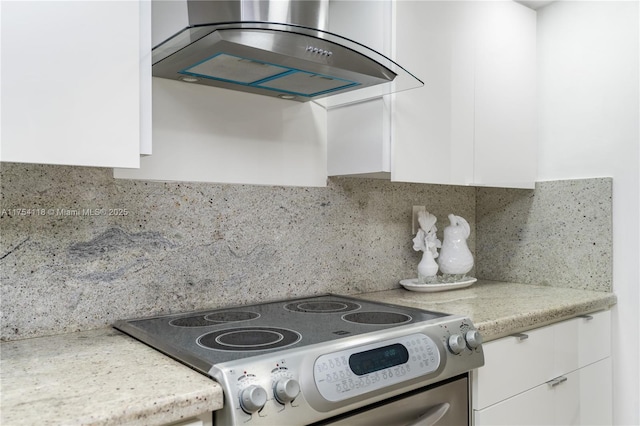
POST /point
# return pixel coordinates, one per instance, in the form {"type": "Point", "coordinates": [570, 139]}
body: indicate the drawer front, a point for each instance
{"type": "Point", "coordinates": [532, 408]}
{"type": "Point", "coordinates": [596, 393]}
{"type": "Point", "coordinates": [513, 365]}
{"type": "Point", "coordinates": [582, 397]}
{"type": "Point", "coordinates": [581, 341]}
{"type": "Point", "coordinates": [594, 338]}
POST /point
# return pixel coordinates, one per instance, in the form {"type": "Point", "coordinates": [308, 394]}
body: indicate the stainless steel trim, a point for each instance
{"type": "Point", "coordinates": [432, 416]}
{"type": "Point", "coordinates": [520, 336]}
{"type": "Point", "coordinates": [309, 13]}
{"type": "Point", "coordinates": [161, 345]}
{"type": "Point", "coordinates": [312, 404]}
{"type": "Point", "coordinates": [557, 381]}
{"type": "Point", "coordinates": [290, 34]}
{"type": "Point", "coordinates": [446, 404]}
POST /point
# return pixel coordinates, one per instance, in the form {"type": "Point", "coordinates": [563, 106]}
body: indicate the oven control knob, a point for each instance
{"type": "Point", "coordinates": [473, 338]}
{"type": "Point", "coordinates": [286, 390]}
{"type": "Point", "coordinates": [456, 343]}
{"type": "Point", "coordinates": [253, 398]}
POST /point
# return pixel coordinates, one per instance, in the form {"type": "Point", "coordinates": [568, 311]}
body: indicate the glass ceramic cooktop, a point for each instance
{"type": "Point", "coordinates": [232, 333]}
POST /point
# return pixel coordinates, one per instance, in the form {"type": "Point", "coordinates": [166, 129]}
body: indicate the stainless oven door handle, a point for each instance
{"type": "Point", "coordinates": [433, 416]}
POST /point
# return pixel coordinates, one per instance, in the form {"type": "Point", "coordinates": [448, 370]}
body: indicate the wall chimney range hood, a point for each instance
{"type": "Point", "coordinates": [276, 48]}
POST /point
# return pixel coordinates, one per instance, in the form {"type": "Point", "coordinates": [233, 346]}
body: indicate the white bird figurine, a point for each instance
{"type": "Point", "coordinates": [427, 241]}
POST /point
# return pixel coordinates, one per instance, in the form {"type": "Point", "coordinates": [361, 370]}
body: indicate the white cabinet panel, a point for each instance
{"type": "Point", "coordinates": [531, 408]}
{"type": "Point", "coordinates": [505, 144]}
{"type": "Point", "coordinates": [584, 398]}
{"type": "Point", "coordinates": [513, 365]}
{"type": "Point", "coordinates": [565, 348]}
{"type": "Point", "coordinates": [474, 121]}
{"type": "Point", "coordinates": [596, 389]}
{"type": "Point", "coordinates": [594, 333]}
{"type": "Point", "coordinates": [359, 136]}
{"type": "Point", "coordinates": [71, 82]}
{"type": "Point", "coordinates": [582, 341]}
{"type": "Point", "coordinates": [369, 23]}
{"type": "Point", "coordinates": [560, 375]}
{"type": "Point", "coordinates": [432, 130]}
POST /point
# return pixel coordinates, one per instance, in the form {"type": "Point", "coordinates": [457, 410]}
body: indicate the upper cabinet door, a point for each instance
{"type": "Point", "coordinates": [358, 135]}
{"type": "Point", "coordinates": [473, 122]}
{"type": "Point", "coordinates": [432, 127]}
{"type": "Point", "coordinates": [505, 142]}
{"type": "Point", "coordinates": [76, 82]}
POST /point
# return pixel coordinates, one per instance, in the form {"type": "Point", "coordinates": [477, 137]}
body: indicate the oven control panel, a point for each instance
{"type": "Point", "coordinates": [355, 371]}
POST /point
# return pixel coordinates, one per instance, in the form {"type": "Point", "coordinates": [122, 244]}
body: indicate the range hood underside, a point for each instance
{"type": "Point", "coordinates": [271, 62]}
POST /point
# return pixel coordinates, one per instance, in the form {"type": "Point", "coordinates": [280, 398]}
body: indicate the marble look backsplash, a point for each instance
{"type": "Point", "coordinates": [80, 249]}
{"type": "Point", "coordinates": [560, 234]}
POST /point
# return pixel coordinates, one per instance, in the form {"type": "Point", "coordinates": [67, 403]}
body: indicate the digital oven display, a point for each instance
{"type": "Point", "coordinates": [378, 359]}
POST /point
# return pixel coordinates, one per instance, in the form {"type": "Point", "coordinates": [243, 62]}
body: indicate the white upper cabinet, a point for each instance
{"type": "Point", "coordinates": [474, 121]}
{"type": "Point", "coordinates": [76, 82]}
{"type": "Point", "coordinates": [358, 135]}
{"type": "Point", "coordinates": [505, 142]}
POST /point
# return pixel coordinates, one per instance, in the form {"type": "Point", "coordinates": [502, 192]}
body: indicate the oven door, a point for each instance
{"type": "Point", "coordinates": [443, 404]}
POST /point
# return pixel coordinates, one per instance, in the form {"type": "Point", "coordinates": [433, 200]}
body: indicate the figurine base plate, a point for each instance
{"type": "Point", "coordinates": [413, 284]}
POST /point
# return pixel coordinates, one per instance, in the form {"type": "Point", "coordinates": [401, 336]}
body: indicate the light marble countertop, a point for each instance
{"type": "Point", "coordinates": [103, 377]}
{"type": "Point", "coordinates": [498, 309]}
{"type": "Point", "coordinates": [99, 377]}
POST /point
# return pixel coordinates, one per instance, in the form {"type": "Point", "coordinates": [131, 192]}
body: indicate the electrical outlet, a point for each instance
{"type": "Point", "coordinates": [415, 225]}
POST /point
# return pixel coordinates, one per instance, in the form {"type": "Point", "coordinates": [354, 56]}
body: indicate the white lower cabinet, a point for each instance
{"type": "Point", "coordinates": [554, 375]}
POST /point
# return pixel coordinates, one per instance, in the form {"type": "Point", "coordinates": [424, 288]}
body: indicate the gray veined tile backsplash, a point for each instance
{"type": "Point", "coordinates": [68, 264]}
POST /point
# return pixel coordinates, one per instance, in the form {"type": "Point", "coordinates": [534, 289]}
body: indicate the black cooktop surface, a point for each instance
{"type": "Point", "coordinates": [220, 335]}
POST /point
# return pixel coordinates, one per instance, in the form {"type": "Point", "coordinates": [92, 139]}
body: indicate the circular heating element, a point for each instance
{"type": "Point", "coordinates": [231, 316]}
{"type": "Point", "coordinates": [377, 318]}
{"type": "Point", "coordinates": [321, 307]}
{"type": "Point", "coordinates": [214, 318]}
{"type": "Point", "coordinates": [249, 339]}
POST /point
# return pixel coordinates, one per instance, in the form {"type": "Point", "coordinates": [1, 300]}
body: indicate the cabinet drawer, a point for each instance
{"type": "Point", "coordinates": [593, 400]}
{"type": "Point", "coordinates": [513, 365]}
{"type": "Point", "coordinates": [582, 397]}
{"type": "Point", "coordinates": [594, 333]}
{"type": "Point", "coordinates": [531, 408]}
{"type": "Point", "coordinates": [582, 341]}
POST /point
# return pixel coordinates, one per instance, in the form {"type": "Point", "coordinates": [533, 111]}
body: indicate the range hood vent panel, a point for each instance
{"type": "Point", "coordinates": [275, 59]}
{"type": "Point", "coordinates": [244, 71]}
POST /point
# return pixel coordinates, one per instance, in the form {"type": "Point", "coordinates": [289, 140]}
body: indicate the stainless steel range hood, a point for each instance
{"type": "Point", "coordinates": [277, 48]}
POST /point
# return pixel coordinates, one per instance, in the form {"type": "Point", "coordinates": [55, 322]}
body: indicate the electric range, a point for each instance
{"type": "Point", "coordinates": [305, 360]}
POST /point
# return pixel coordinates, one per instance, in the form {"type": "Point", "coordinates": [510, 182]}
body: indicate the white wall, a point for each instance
{"type": "Point", "coordinates": [588, 82]}
{"type": "Point", "coordinates": [206, 134]}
